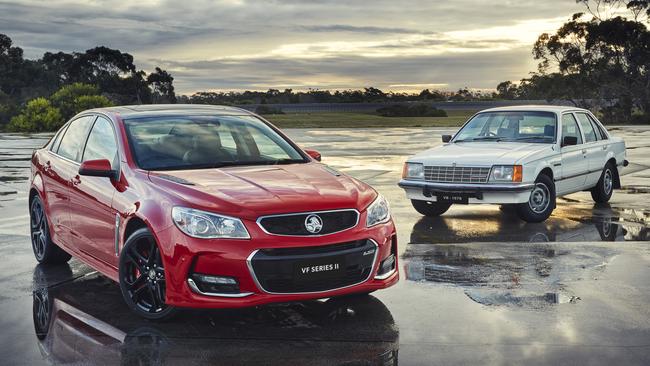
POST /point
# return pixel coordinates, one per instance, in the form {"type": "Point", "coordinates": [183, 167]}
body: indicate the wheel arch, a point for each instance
{"type": "Point", "coordinates": [548, 172]}
{"type": "Point", "coordinates": [132, 224]}
{"type": "Point", "coordinates": [617, 178]}
{"type": "Point", "coordinates": [36, 188]}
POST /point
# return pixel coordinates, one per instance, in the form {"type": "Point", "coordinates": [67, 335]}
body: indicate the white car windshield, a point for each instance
{"type": "Point", "coordinates": [525, 126]}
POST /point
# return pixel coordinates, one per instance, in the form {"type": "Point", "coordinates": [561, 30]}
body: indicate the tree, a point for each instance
{"type": "Point", "coordinates": [600, 59]}
{"type": "Point", "coordinates": [39, 115]}
{"type": "Point", "coordinates": [506, 90]}
{"type": "Point", "coordinates": [161, 83]}
{"type": "Point", "coordinates": [608, 57]}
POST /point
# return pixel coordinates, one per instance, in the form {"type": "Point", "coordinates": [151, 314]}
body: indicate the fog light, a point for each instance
{"type": "Point", "coordinates": [215, 279]}
{"type": "Point", "coordinates": [210, 284]}
{"type": "Point", "coordinates": [386, 267]}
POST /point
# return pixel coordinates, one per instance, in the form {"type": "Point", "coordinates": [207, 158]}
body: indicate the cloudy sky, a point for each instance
{"type": "Point", "coordinates": [326, 44]}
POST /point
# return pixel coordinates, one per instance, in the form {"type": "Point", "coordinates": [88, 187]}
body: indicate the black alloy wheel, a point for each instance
{"type": "Point", "coordinates": [41, 311]}
{"type": "Point", "coordinates": [142, 276]}
{"type": "Point", "coordinates": [45, 250]}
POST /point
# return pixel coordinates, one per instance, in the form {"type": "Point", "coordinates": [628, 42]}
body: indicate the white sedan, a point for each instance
{"type": "Point", "coordinates": [522, 156]}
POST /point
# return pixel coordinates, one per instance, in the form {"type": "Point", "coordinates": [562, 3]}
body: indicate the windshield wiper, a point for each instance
{"type": "Point", "coordinates": [528, 138]}
{"type": "Point", "coordinates": [286, 161]}
{"type": "Point", "coordinates": [481, 138]}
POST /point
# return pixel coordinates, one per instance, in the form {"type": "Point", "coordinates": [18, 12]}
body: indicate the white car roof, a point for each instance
{"type": "Point", "coordinates": [540, 108]}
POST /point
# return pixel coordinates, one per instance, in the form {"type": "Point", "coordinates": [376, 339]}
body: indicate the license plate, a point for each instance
{"type": "Point", "coordinates": [452, 198]}
{"type": "Point", "coordinates": [319, 268]}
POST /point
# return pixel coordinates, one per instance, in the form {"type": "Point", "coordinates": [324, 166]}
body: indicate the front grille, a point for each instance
{"type": "Point", "coordinates": [275, 269]}
{"type": "Point", "coordinates": [459, 174]}
{"type": "Point", "coordinates": [294, 224]}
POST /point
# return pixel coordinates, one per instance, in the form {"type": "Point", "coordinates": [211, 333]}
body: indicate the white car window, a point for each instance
{"type": "Point", "coordinates": [570, 127]}
{"type": "Point", "coordinates": [587, 127]}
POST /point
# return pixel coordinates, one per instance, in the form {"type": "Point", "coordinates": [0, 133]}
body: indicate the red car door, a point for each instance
{"type": "Point", "coordinates": [91, 212]}
{"type": "Point", "coordinates": [58, 169]}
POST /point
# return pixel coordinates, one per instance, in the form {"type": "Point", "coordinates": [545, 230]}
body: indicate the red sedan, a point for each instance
{"type": "Point", "coordinates": [206, 207]}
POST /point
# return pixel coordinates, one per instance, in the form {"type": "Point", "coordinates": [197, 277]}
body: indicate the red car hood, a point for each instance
{"type": "Point", "coordinates": [252, 191]}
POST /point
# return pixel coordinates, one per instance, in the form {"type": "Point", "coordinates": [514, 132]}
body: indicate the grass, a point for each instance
{"type": "Point", "coordinates": [358, 120]}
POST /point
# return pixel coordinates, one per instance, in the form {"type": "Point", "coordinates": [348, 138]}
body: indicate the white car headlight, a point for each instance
{"type": "Point", "coordinates": [506, 173]}
{"type": "Point", "coordinates": [378, 212]}
{"type": "Point", "coordinates": [207, 225]}
{"type": "Point", "coordinates": [413, 171]}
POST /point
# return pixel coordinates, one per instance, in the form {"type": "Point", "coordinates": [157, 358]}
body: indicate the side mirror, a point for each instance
{"type": "Point", "coordinates": [97, 168]}
{"type": "Point", "coordinates": [314, 154]}
{"type": "Point", "coordinates": [569, 141]}
{"type": "Point", "coordinates": [446, 138]}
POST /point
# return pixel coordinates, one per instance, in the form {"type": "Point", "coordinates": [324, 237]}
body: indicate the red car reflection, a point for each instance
{"type": "Point", "coordinates": [204, 206]}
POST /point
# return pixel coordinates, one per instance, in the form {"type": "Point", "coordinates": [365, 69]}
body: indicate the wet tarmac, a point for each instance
{"type": "Point", "coordinates": [478, 286]}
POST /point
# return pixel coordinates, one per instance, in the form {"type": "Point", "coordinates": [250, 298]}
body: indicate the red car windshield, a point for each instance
{"type": "Point", "coordinates": [196, 142]}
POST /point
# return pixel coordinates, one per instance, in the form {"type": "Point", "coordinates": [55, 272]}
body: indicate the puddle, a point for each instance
{"type": "Point", "coordinates": [636, 189]}
{"type": "Point", "coordinates": [507, 274]}
{"type": "Point", "coordinates": [569, 223]}
{"type": "Point", "coordinates": [68, 316]}
{"type": "Point", "coordinates": [13, 179]}
{"type": "Point", "coordinates": [529, 300]}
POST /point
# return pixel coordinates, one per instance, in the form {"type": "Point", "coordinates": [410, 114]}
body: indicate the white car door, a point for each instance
{"type": "Point", "coordinates": [574, 158]}
{"type": "Point", "coordinates": [596, 149]}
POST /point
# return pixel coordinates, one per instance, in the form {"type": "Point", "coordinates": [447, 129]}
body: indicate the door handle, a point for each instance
{"type": "Point", "coordinates": [605, 147]}
{"type": "Point", "coordinates": [584, 151]}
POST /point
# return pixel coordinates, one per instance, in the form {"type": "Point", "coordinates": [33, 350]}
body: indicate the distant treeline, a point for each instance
{"type": "Point", "coordinates": [366, 95]}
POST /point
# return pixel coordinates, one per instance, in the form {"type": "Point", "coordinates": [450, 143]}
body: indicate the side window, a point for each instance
{"type": "Point", "coordinates": [587, 127]}
{"type": "Point", "coordinates": [602, 135]}
{"type": "Point", "coordinates": [74, 138]}
{"type": "Point", "coordinates": [57, 139]}
{"type": "Point", "coordinates": [570, 127]}
{"type": "Point", "coordinates": [101, 142]}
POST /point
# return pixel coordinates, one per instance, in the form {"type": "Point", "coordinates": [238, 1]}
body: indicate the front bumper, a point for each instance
{"type": "Point", "coordinates": [184, 256]}
{"type": "Point", "coordinates": [503, 193]}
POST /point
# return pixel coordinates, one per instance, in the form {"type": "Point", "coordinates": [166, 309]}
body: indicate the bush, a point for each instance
{"type": "Point", "coordinates": [65, 98]}
{"type": "Point", "coordinates": [38, 115]}
{"type": "Point", "coordinates": [411, 110]}
{"type": "Point", "coordinates": [263, 109]}
{"type": "Point", "coordinates": [90, 101]}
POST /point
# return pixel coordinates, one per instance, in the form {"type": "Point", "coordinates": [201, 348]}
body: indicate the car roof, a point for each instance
{"type": "Point", "coordinates": [535, 108]}
{"type": "Point", "coordinates": [151, 110]}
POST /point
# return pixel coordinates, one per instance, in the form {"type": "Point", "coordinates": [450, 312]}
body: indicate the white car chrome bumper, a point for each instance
{"type": "Point", "coordinates": [476, 193]}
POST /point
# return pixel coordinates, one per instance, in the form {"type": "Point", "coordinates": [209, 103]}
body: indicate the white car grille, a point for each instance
{"type": "Point", "coordinates": [460, 174]}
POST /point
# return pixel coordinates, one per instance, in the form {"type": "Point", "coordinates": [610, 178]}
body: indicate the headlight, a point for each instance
{"type": "Point", "coordinates": [506, 173]}
{"type": "Point", "coordinates": [207, 225]}
{"type": "Point", "coordinates": [413, 171]}
{"type": "Point", "coordinates": [378, 212]}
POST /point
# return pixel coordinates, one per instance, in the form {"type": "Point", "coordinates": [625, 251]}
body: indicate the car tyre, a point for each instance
{"type": "Point", "coordinates": [42, 312]}
{"type": "Point", "coordinates": [142, 277]}
{"type": "Point", "coordinates": [45, 250]}
{"type": "Point", "coordinates": [541, 203]}
{"type": "Point", "coordinates": [603, 190]}
{"type": "Point", "coordinates": [430, 209]}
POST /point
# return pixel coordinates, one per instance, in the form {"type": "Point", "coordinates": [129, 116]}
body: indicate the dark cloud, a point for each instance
{"type": "Point", "coordinates": [354, 29]}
